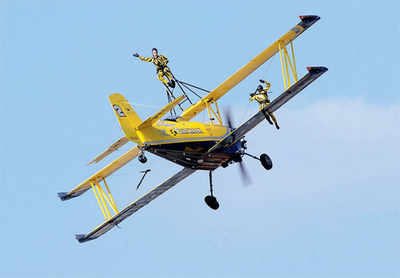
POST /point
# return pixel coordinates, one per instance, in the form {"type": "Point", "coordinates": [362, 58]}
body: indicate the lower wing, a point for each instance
{"type": "Point", "coordinates": [135, 206]}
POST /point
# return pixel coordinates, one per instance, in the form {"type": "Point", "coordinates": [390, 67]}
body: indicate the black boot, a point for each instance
{"type": "Point", "coordinates": [171, 84]}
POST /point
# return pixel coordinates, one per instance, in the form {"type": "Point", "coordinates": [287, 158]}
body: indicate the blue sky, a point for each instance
{"type": "Point", "coordinates": [329, 207]}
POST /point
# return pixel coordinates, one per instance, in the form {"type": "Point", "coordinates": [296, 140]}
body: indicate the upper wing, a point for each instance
{"type": "Point", "coordinates": [115, 146]}
{"type": "Point", "coordinates": [100, 175]}
{"type": "Point", "coordinates": [233, 80]}
{"type": "Point", "coordinates": [135, 206]}
{"type": "Point", "coordinates": [238, 133]}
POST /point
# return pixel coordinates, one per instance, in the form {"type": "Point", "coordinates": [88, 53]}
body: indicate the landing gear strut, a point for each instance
{"type": "Point", "coordinates": [264, 159]}
{"type": "Point", "coordinates": [210, 200]}
{"type": "Point", "coordinates": [142, 158]}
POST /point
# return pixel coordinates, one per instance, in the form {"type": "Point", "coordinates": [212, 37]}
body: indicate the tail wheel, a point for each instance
{"type": "Point", "coordinates": [212, 202]}
{"type": "Point", "coordinates": [266, 161]}
{"type": "Point", "coordinates": [142, 159]}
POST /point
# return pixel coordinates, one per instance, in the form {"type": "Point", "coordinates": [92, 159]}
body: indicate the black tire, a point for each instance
{"type": "Point", "coordinates": [142, 159]}
{"type": "Point", "coordinates": [211, 202]}
{"type": "Point", "coordinates": [266, 161]}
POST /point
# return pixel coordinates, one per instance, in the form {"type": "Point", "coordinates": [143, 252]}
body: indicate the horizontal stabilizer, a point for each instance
{"type": "Point", "coordinates": [115, 146]}
{"type": "Point", "coordinates": [100, 175]}
{"type": "Point", "coordinates": [135, 206]}
{"type": "Point", "coordinates": [238, 133]}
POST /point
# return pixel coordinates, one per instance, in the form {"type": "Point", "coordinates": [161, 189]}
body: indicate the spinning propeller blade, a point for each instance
{"type": "Point", "coordinates": [246, 180]}
{"type": "Point", "coordinates": [228, 118]}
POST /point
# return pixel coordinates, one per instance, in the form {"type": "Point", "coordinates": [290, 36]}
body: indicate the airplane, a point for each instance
{"type": "Point", "coordinates": [191, 144]}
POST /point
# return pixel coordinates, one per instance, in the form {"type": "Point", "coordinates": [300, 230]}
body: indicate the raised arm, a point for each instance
{"type": "Point", "coordinates": [146, 59]}
{"type": "Point", "coordinates": [142, 58]}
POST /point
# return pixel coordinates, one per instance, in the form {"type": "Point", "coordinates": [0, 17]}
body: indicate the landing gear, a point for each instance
{"type": "Point", "coordinates": [210, 200]}
{"type": "Point", "coordinates": [264, 159]}
{"type": "Point", "coordinates": [142, 158]}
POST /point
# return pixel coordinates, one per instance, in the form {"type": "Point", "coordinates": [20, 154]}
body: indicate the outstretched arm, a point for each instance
{"type": "Point", "coordinates": [146, 59]}
{"type": "Point", "coordinates": [142, 58]}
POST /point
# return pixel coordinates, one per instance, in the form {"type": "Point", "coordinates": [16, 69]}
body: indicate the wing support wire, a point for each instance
{"type": "Point", "coordinates": [133, 207]}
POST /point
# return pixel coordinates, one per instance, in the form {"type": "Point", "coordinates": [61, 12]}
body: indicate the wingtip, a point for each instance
{"type": "Point", "coordinates": [317, 69]}
{"type": "Point", "coordinates": [80, 238]}
{"type": "Point", "coordinates": [62, 196]}
{"type": "Point", "coordinates": [309, 17]}
{"type": "Point", "coordinates": [308, 20]}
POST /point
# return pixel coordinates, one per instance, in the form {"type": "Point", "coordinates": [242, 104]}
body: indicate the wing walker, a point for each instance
{"type": "Point", "coordinates": [193, 145]}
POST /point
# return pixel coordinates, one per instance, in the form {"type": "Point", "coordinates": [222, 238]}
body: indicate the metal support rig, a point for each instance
{"type": "Point", "coordinates": [182, 86]}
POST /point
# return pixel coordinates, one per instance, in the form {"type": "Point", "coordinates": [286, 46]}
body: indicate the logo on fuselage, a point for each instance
{"type": "Point", "coordinates": [119, 110]}
{"type": "Point", "coordinates": [176, 131]}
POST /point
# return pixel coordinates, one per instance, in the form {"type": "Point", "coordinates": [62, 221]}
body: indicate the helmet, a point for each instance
{"type": "Point", "coordinates": [259, 88]}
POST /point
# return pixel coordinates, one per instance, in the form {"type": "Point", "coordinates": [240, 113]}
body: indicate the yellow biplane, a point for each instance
{"type": "Point", "coordinates": [193, 145]}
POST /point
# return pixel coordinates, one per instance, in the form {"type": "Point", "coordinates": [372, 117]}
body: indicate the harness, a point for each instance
{"type": "Point", "coordinates": [159, 63]}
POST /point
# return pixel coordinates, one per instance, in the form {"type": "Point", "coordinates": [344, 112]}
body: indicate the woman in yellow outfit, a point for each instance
{"type": "Point", "coordinates": [160, 61]}
{"type": "Point", "coordinates": [261, 96]}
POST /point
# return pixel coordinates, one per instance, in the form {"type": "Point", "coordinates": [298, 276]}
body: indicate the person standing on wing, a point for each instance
{"type": "Point", "coordinates": [160, 61]}
{"type": "Point", "coordinates": [261, 96]}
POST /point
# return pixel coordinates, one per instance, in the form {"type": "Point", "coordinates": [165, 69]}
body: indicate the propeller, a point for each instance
{"type": "Point", "coordinates": [228, 118]}
{"type": "Point", "coordinates": [246, 180]}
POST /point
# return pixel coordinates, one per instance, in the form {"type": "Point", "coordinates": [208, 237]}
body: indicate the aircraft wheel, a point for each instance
{"type": "Point", "coordinates": [142, 159]}
{"type": "Point", "coordinates": [211, 202]}
{"type": "Point", "coordinates": [266, 161]}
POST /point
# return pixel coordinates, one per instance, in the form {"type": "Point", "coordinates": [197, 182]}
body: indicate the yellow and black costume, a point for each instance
{"type": "Point", "coordinates": [261, 96]}
{"type": "Point", "coordinates": [162, 70]}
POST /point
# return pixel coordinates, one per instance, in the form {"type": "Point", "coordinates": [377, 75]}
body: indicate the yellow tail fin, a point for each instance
{"type": "Point", "coordinates": [127, 117]}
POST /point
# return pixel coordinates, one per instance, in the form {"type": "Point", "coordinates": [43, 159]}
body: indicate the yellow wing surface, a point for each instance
{"type": "Point", "coordinates": [115, 146]}
{"type": "Point", "coordinates": [100, 175]}
{"type": "Point", "coordinates": [237, 77]}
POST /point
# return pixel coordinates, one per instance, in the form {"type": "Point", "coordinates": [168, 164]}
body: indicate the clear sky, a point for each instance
{"type": "Point", "coordinates": [328, 208]}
